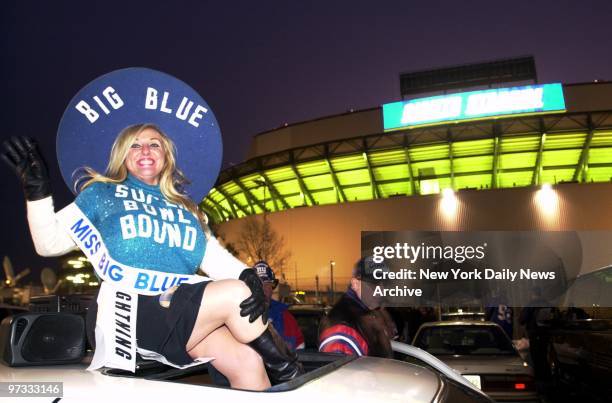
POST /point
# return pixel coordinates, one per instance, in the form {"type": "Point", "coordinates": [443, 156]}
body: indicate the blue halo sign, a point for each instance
{"type": "Point", "coordinates": [110, 103]}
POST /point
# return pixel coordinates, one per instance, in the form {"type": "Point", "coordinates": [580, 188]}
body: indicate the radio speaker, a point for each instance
{"type": "Point", "coordinates": [42, 339]}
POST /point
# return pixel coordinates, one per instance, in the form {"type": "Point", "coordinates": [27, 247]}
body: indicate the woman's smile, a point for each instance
{"type": "Point", "coordinates": [146, 157]}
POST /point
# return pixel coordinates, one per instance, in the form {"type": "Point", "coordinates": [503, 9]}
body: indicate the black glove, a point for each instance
{"type": "Point", "coordinates": [21, 154]}
{"type": "Point", "coordinates": [255, 305]}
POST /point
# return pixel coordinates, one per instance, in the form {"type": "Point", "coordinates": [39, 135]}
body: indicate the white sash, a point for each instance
{"type": "Point", "coordinates": [118, 298]}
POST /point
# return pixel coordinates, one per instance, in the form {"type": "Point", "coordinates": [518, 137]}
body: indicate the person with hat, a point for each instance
{"type": "Point", "coordinates": [278, 313]}
{"type": "Point", "coordinates": [144, 235]}
{"type": "Point", "coordinates": [355, 325]}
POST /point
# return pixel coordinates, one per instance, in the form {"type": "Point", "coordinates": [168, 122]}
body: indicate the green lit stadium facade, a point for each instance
{"type": "Point", "coordinates": [499, 153]}
{"type": "Point", "coordinates": [309, 175]}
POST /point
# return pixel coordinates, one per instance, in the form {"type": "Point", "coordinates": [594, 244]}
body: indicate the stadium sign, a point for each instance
{"type": "Point", "coordinates": [499, 102]}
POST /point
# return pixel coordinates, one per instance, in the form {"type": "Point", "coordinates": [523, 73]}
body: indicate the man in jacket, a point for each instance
{"type": "Point", "coordinates": [355, 325]}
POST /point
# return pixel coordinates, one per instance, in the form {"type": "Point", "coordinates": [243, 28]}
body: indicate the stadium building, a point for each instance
{"type": "Point", "coordinates": [477, 147]}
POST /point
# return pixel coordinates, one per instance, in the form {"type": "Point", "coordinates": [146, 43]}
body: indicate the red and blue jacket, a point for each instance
{"type": "Point", "coordinates": [352, 328]}
{"type": "Point", "coordinates": [285, 324]}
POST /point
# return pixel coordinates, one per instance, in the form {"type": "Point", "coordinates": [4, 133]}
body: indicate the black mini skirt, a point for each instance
{"type": "Point", "coordinates": [163, 330]}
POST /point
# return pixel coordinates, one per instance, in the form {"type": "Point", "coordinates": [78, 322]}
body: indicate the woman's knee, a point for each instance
{"type": "Point", "coordinates": [235, 290]}
{"type": "Point", "coordinates": [240, 290]}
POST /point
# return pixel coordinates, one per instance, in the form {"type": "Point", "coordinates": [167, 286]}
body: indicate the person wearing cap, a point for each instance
{"type": "Point", "coordinates": [355, 325]}
{"type": "Point", "coordinates": [278, 313]}
{"type": "Point", "coordinates": [145, 221]}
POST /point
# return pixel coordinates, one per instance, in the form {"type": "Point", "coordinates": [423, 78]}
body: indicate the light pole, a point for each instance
{"type": "Point", "coordinates": [262, 182]}
{"type": "Point", "coordinates": [331, 278]}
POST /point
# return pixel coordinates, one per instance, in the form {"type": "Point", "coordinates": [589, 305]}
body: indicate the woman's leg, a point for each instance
{"type": "Point", "coordinates": [237, 361]}
{"type": "Point", "coordinates": [221, 306]}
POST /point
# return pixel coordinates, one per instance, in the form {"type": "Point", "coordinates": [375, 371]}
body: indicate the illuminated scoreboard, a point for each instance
{"type": "Point", "coordinates": [473, 105]}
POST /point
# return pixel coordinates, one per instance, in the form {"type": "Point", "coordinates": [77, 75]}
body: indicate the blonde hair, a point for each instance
{"type": "Point", "coordinates": [171, 180]}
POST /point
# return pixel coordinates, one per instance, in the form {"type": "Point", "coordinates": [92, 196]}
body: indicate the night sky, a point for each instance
{"type": "Point", "coordinates": [260, 64]}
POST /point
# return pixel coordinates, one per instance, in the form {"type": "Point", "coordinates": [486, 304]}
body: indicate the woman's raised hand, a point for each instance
{"type": "Point", "coordinates": [21, 154]}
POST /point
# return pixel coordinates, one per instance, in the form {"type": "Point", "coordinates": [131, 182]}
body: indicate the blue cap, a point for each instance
{"type": "Point", "coordinates": [264, 271]}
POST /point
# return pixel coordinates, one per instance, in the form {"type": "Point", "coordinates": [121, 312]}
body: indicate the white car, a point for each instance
{"type": "Point", "coordinates": [329, 378]}
{"type": "Point", "coordinates": [484, 354]}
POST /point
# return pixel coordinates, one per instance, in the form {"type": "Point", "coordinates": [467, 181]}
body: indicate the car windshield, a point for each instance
{"type": "Point", "coordinates": [464, 340]}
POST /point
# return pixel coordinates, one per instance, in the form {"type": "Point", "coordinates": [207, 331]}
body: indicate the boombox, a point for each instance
{"type": "Point", "coordinates": [42, 339]}
{"type": "Point", "coordinates": [76, 303]}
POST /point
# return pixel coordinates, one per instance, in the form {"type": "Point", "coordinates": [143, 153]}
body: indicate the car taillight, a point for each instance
{"type": "Point", "coordinates": [500, 383]}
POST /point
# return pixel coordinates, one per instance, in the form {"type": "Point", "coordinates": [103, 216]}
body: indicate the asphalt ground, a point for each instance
{"type": "Point", "coordinates": [569, 393]}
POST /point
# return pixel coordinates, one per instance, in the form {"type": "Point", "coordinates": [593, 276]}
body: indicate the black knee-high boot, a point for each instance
{"type": "Point", "coordinates": [281, 363]}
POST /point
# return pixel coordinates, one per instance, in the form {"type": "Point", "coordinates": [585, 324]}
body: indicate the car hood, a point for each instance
{"type": "Point", "coordinates": [365, 379]}
{"type": "Point", "coordinates": [487, 364]}
{"type": "Point", "coordinates": [380, 380]}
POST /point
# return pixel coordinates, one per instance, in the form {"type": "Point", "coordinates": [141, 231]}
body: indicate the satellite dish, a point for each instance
{"type": "Point", "coordinates": [22, 274]}
{"type": "Point", "coordinates": [8, 271]}
{"type": "Point", "coordinates": [48, 277]}
{"type": "Point", "coordinates": [11, 279]}
{"type": "Point", "coordinates": [48, 280]}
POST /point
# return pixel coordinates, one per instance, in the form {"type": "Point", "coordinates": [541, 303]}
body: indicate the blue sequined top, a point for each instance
{"type": "Point", "coordinates": [140, 228]}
